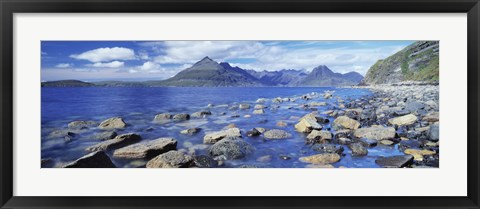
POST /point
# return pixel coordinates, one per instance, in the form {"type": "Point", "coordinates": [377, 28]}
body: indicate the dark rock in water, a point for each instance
{"type": "Point", "coordinates": [80, 124]}
{"type": "Point", "coordinates": [358, 149]}
{"type": "Point", "coordinates": [147, 149]}
{"type": "Point", "coordinates": [368, 142]}
{"type": "Point", "coordinates": [105, 135]}
{"type": "Point", "coordinates": [409, 144]}
{"type": "Point", "coordinates": [205, 161]}
{"type": "Point", "coordinates": [285, 157]}
{"type": "Point", "coordinates": [117, 142]}
{"type": "Point", "coordinates": [181, 116]}
{"type": "Point", "coordinates": [231, 148]}
{"type": "Point", "coordinates": [253, 132]}
{"type": "Point", "coordinates": [190, 131]}
{"type": "Point", "coordinates": [433, 132]}
{"type": "Point", "coordinates": [201, 114]}
{"type": "Point", "coordinates": [398, 161]}
{"type": "Point", "coordinates": [93, 160]}
{"type": "Point", "coordinates": [61, 134]}
{"type": "Point", "coordinates": [171, 159]}
{"type": "Point", "coordinates": [162, 116]}
{"type": "Point", "coordinates": [328, 148]}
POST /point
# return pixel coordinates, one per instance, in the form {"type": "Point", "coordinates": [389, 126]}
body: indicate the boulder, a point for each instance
{"type": "Point", "coordinates": [358, 149]}
{"type": "Point", "coordinates": [162, 117]}
{"type": "Point", "coordinates": [324, 158]}
{"type": "Point", "coordinates": [205, 161]}
{"type": "Point", "coordinates": [418, 154]}
{"type": "Point", "coordinates": [344, 122]}
{"type": "Point", "coordinates": [328, 148]}
{"type": "Point", "coordinates": [403, 120]}
{"type": "Point", "coordinates": [201, 114]}
{"type": "Point", "coordinates": [106, 135]}
{"type": "Point", "coordinates": [276, 134]}
{"type": "Point", "coordinates": [112, 123]}
{"type": "Point", "coordinates": [434, 132]}
{"type": "Point", "coordinates": [81, 124]}
{"type": "Point", "coordinates": [398, 161]}
{"type": "Point", "coordinates": [308, 123]}
{"type": "Point", "coordinates": [375, 132]}
{"type": "Point", "coordinates": [181, 117]}
{"type": "Point", "coordinates": [231, 148]}
{"type": "Point", "coordinates": [115, 143]}
{"type": "Point", "coordinates": [190, 131]}
{"type": "Point", "coordinates": [147, 149]}
{"type": "Point", "coordinates": [96, 159]}
{"type": "Point", "coordinates": [171, 159]}
{"type": "Point", "coordinates": [319, 136]}
{"type": "Point", "coordinates": [214, 137]}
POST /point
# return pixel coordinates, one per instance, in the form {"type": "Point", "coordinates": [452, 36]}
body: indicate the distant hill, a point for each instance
{"type": "Point", "coordinates": [323, 76]}
{"type": "Point", "coordinates": [416, 62]}
{"type": "Point", "coordinates": [279, 78]}
{"type": "Point", "coordinates": [207, 72]}
{"type": "Point", "coordinates": [67, 83]}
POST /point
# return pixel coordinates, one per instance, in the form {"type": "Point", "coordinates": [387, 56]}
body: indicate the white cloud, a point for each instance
{"type": "Point", "coordinates": [106, 54]}
{"type": "Point", "coordinates": [114, 64]}
{"type": "Point", "coordinates": [64, 65]}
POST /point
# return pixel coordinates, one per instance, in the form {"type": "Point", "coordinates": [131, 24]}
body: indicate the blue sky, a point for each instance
{"type": "Point", "coordinates": [153, 60]}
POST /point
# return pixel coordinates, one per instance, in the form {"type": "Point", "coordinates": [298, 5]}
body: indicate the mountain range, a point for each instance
{"type": "Point", "coordinates": [209, 73]}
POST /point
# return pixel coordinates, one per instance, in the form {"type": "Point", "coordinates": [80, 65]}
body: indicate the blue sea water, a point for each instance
{"type": "Point", "coordinates": [139, 105]}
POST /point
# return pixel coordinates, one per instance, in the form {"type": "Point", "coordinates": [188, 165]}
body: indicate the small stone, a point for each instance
{"type": "Point", "coordinates": [201, 114]}
{"type": "Point", "coordinates": [190, 131]}
{"type": "Point", "coordinates": [434, 132]}
{"type": "Point", "coordinates": [358, 149]}
{"type": "Point", "coordinates": [244, 106]}
{"type": "Point", "coordinates": [324, 158]}
{"type": "Point", "coordinates": [253, 132]}
{"type": "Point", "coordinates": [162, 117]}
{"type": "Point", "coordinates": [403, 120]}
{"type": "Point", "coordinates": [276, 134]}
{"type": "Point", "coordinates": [375, 132]}
{"type": "Point", "coordinates": [386, 142]}
{"type": "Point", "coordinates": [80, 124]}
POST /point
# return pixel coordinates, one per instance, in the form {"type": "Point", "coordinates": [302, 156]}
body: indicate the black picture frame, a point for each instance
{"type": "Point", "coordinates": [10, 7]}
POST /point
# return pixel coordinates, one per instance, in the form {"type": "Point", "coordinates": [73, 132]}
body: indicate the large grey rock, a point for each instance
{"type": "Point", "coordinates": [375, 132]}
{"type": "Point", "coordinates": [205, 161]}
{"type": "Point", "coordinates": [398, 161]}
{"type": "Point", "coordinates": [171, 159]}
{"type": "Point", "coordinates": [93, 160]}
{"type": "Point", "coordinates": [344, 122]}
{"type": "Point", "coordinates": [231, 148]}
{"type": "Point", "coordinates": [81, 124]}
{"type": "Point", "coordinates": [117, 142]}
{"type": "Point", "coordinates": [211, 138]}
{"type": "Point", "coordinates": [276, 134]}
{"type": "Point", "coordinates": [147, 149]}
{"type": "Point", "coordinates": [308, 123]}
{"type": "Point", "coordinates": [112, 123]}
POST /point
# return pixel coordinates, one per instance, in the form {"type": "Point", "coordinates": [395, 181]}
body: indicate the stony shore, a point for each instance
{"type": "Point", "coordinates": [404, 116]}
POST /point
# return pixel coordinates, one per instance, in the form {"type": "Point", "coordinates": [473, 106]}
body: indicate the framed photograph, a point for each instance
{"type": "Point", "coordinates": [231, 104]}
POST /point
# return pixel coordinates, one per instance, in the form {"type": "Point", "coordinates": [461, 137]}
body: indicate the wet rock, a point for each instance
{"type": "Point", "coordinates": [146, 149]}
{"type": "Point", "coordinates": [106, 135]}
{"type": "Point", "coordinates": [398, 161]}
{"type": "Point", "coordinates": [258, 111]}
{"type": "Point", "coordinates": [328, 148]}
{"type": "Point", "coordinates": [324, 158]}
{"type": "Point", "coordinates": [403, 120]}
{"type": "Point", "coordinates": [80, 124]}
{"type": "Point", "coordinates": [344, 122]}
{"type": "Point", "coordinates": [190, 131]}
{"type": "Point", "coordinates": [181, 117]}
{"type": "Point", "coordinates": [386, 142]}
{"type": "Point", "coordinates": [281, 124]}
{"type": "Point", "coordinates": [117, 142]}
{"type": "Point", "coordinates": [319, 137]}
{"type": "Point", "coordinates": [244, 106]}
{"type": "Point", "coordinates": [431, 117]}
{"type": "Point", "coordinates": [276, 134]}
{"type": "Point", "coordinates": [93, 160]}
{"type": "Point", "coordinates": [358, 149]}
{"type": "Point", "coordinates": [112, 123]}
{"type": "Point", "coordinates": [217, 136]}
{"type": "Point", "coordinates": [253, 132]}
{"type": "Point", "coordinates": [231, 148]}
{"type": "Point", "coordinates": [418, 154]}
{"type": "Point", "coordinates": [308, 123]}
{"type": "Point", "coordinates": [162, 117]}
{"type": "Point", "coordinates": [205, 161]}
{"type": "Point", "coordinates": [434, 132]}
{"type": "Point", "coordinates": [171, 159]}
{"type": "Point", "coordinates": [368, 142]}
{"type": "Point", "coordinates": [201, 114]}
{"type": "Point", "coordinates": [375, 132]}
